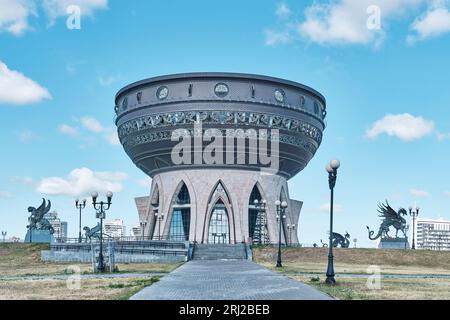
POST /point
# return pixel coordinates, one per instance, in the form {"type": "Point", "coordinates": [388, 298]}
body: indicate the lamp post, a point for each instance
{"type": "Point", "coordinates": [260, 207]}
{"type": "Point", "coordinates": [281, 207]}
{"type": "Point", "coordinates": [101, 207]}
{"type": "Point", "coordinates": [290, 227]}
{"type": "Point", "coordinates": [414, 212]}
{"type": "Point", "coordinates": [3, 235]}
{"type": "Point", "coordinates": [332, 175]}
{"type": "Point", "coordinates": [143, 225]}
{"type": "Point", "coordinates": [406, 237]}
{"type": "Point", "coordinates": [159, 217]}
{"type": "Point", "coordinates": [80, 206]}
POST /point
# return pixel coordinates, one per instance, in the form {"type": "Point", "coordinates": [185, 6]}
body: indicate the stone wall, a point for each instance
{"type": "Point", "coordinates": [86, 257]}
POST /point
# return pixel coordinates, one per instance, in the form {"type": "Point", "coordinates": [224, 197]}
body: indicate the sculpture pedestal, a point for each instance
{"type": "Point", "coordinates": [39, 236]}
{"type": "Point", "coordinates": [393, 243]}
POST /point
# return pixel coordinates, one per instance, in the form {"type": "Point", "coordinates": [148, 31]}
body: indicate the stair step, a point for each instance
{"type": "Point", "coordinates": [219, 252]}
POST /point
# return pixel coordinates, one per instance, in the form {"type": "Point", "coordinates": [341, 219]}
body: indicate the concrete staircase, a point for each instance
{"type": "Point", "coordinates": [220, 252]}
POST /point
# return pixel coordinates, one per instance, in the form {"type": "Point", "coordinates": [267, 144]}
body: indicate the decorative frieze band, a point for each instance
{"type": "Point", "coordinates": [221, 118]}
{"type": "Point", "coordinates": [157, 136]}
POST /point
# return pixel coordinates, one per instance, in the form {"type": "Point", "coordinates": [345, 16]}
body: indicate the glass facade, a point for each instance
{"type": "Point", "coordinates": [219, 229]}
{"type": "Point", "coordinates": [257, 219]}
{"type": "Point", "coordinates": [252, 212]}
{"type": "Point", "coordinates": [181, 216]}
{"type": "Point", "coordinates": [179, 226]}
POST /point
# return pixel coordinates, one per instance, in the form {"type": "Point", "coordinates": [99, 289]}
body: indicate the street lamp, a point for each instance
{"type": "Point", "coordinates": [260, 207]}
{"type": "Point", "coordinates": [143, 225]}
{"type": "Point", "coordinates": [281, 207]}
{"type": "Point", "coordinates": [80, 206]}
{"type": "Point", "coordinates": [101, 207]}
{"type": "Point", "coordinates": [406, 237]}
{"type": "Point", "coordinates": [159, 217]}
{"type": "Point", "coordinates": [332, 175]}
{"type": "Point", "coordinates": [3, 235]}
{"type": "Point", "coordinates": [290, 227]}
{"type": "Point", "coordinates": [414, 212]}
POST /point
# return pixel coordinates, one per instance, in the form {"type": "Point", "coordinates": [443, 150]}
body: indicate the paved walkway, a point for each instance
{"type": "Point", "coordinates": [227, 280]}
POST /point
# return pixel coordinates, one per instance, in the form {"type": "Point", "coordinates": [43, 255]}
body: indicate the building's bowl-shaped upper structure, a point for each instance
{"type": "Point", "coordinates": [227, 129]}
{"type": "Point", "coordinates": [150, 110]}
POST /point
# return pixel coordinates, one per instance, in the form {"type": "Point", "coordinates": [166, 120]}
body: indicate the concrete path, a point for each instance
{"type": "Point", "coordinates": [227, 280]}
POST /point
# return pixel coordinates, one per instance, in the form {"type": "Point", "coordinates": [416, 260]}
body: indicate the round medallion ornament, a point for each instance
{"type": "Point", "coordinates": [221, 90]}
{"type": "Point", "coordinates": [279, 95]}
{"type": "Point", "coordinates": [162, 93]}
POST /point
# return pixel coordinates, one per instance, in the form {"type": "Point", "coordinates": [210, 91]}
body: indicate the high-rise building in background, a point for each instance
{"type": "Point", "coordinates": [432, 234]}
{"type": "Point", "coordinates": [114, 228]}
{"type": "Point", "coordinates": [136, 232]}
{"type": "Point", "coordinates": [59, 227]}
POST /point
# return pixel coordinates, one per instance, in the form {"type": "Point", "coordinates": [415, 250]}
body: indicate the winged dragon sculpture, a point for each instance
{"type": "Point", "coordinates": [391, 218]}
{"type": "Point", "coordinates": [36, 219]}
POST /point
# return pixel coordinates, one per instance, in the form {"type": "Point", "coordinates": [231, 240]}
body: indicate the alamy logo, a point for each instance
{"type": "Point", "coordinates": [73, 21]}
{"type": "Point", "coordinates": [227, 146]}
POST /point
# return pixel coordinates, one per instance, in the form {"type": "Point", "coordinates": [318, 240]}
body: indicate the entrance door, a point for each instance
{"type": "Point", "coordinates": [219, 229]}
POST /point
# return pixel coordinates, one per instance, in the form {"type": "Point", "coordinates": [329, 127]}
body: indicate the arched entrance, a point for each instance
{"type": "Point", "coordinates": [181, 216]}
{"type": "Point", "coordinates": [219, 227]}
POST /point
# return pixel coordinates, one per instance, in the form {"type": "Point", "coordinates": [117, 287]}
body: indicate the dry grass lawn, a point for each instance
{"type": "Point", "coordinates": [314, 260]}
{"type": "Point", "coordinates": [23, 259]}
{"type": "Point", "coordinates": [89, 289]}
{"type": "Point", "coordinates": [391, 289]}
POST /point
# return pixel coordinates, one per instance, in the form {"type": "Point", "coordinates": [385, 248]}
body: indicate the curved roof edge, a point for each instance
{"type": "Point", "coordinates": [193, 75]}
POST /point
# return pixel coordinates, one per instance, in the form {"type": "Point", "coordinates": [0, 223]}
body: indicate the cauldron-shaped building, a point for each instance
{"type": "Point", "coordinates": [209, 197]}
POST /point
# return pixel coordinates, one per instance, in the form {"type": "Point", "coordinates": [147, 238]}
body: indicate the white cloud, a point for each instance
{"type": "Point", "coordinates": [345, 21]}
{"type": "Point", "coordinates": [403, 126]}
{"type": "Point", "coordinates": [283, 10]}
{"type": "Point", "coordinates": [443, 136]}
{"type": "Point", "coordinates": [107, 81]}
{"type": "Point", "coordinates": [108, 133]}
{"type": "Point", "coordinates": [447, 193]}
{"type": "Point", "coordinates": [57, 8]}
{"type": "Point", "coordinates": [68, 130]}
{"type": "Point", "coordinates": [81, 182]}
{"type": "Point", "coordinates": [273, 38]}
{"type": "Point", "coordinates": [419, 193]}
{"type": "Point", "coordinates": [15, 88]}
{"type": "Point", "coordinates": [326, 207]}
{"type": "Point", "coordinates": [145, 182]}
{"type": "Point", "coordinates": [112, 137]}
{"type": "Point", "coordinates": [92, 124]}
{"type": "Point", "coordinates": [22, 180]}
{"type": "Point", "coordinates": [14, 15]}
{"type": "Point", "coordinates": [5, 195]}
{"type": "Point", "coordinates": [433, 23]}
{"type": "Point", "coordinates": [26, 136]}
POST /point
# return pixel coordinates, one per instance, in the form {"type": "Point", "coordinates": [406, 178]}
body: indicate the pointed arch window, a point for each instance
{"type": "Point", "coordinates": [181, 216]}
{"type": "Point", "coordinates": [257, 219]}
{"type": "Point", "coordinates": [219, 228]}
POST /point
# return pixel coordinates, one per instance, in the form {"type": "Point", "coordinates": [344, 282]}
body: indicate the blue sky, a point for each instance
{"type": "Point", "coordinates": [387, 91]}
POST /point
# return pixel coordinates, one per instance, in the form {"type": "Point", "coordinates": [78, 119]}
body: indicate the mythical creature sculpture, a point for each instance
{"type": "Point", "coordinates": [340, 240]}
{"type": "Point", "coordinates": [36, 219]}
{"type": "Point", "coordinates": [391, 218]}
{"type": "Point", "coordinates": [92, 233]}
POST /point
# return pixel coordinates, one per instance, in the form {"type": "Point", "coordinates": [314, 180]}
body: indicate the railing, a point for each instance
{"type": "Point", "coordinates": [284, 245]}
{"type": "Point", "coordinates": [107, 238]}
